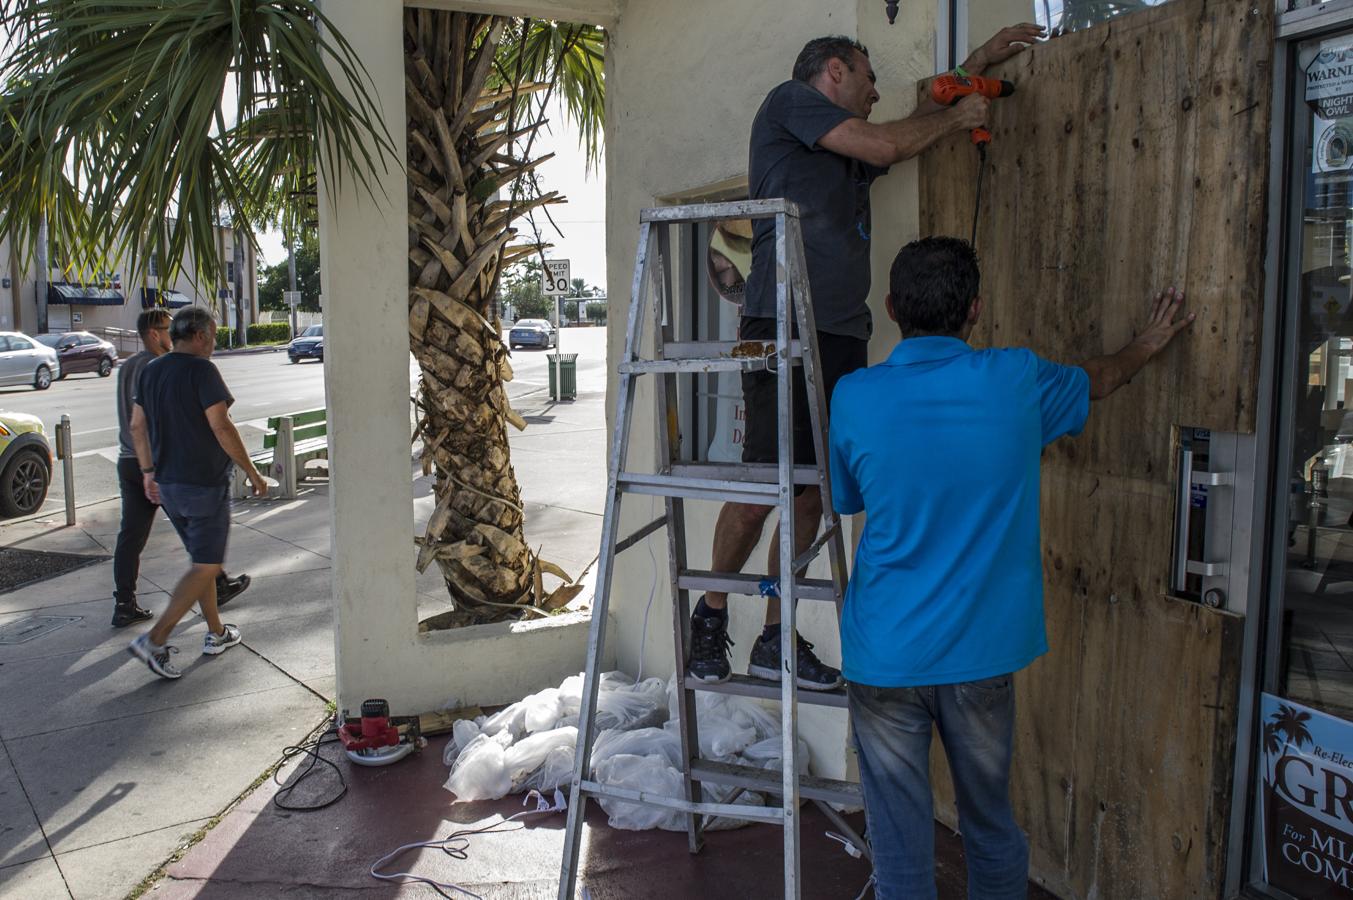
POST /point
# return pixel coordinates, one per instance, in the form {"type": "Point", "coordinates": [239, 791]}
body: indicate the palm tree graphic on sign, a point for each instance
{"type": "Point", "coordinates": [1286, 728]}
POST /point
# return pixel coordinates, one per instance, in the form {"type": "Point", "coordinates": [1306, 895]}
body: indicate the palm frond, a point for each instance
{"type": "Point", "coordinates": [121, 110]}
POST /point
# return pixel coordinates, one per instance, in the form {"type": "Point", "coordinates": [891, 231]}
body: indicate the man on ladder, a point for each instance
{"type": "Point", "coordinates": [812, 143]}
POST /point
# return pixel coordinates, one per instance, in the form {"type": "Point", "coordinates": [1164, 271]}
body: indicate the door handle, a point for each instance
{"type": "Point", "coordinates": [1188, 479]}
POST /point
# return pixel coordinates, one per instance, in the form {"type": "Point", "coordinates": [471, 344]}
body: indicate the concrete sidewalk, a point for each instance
{"type": "Point", "coordinates": [105, 770]}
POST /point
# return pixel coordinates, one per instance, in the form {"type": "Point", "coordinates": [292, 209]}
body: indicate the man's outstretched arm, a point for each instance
{"type": "Point", "coordinates": [1109, 373]}
{"type": "Point", "coordinates": [218, 417]}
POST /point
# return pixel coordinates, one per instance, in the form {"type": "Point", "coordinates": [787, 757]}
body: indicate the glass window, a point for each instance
{"type": "Point", "coordinates": [4, 343]}
{"type": "Point", "coordinates": [50, 340]}
{"type": "Point", "coordinates": [720, 263]}
{"type": "Point", "coordinates": [88, 339]}
{"type": "Point", "coordinates": [1064, 16]}
{"type": "Point", "coordinates": [20, 343]}
{"type": "Point", "coordinates": [230, 271]}
{"type": "Point", "coordinates": [153, 267]}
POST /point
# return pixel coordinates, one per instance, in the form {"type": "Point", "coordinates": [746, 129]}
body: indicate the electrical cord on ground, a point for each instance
{"type": "Point", "coordinates": [310, 749]}
{"type": "Point", "coordinates": [457, 846]}
{"type": "Point", "coordinates": [850, 847]}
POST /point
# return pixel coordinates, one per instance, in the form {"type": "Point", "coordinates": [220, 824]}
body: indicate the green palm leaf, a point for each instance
{"type": "Point", "coordinates": [116, 110]}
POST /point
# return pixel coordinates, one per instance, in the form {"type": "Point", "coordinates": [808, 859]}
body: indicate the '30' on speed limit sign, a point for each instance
{"type": "Point", "coordinates": [554, 279]}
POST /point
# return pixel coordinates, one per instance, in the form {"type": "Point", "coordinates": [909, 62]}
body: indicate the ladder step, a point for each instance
{"type": "Point", "coordinates": [695, 365]}
{"type": "Point", "coordinates": [758, 473]}
{"type": "Point", "coordinates": [829, 790]}
{"type": "Point", "coordinates": [747, 686]}
{"type": "Point", "coordinates": [722, 349]}
{"type": "Point", "coordinates": [728, 583]}
{"type": "Point", "coordinates": [714, 212]}
{"type": "Point", "coordinates": [648, 798]}
{"type": "Point", "coordinates": [718, 490]}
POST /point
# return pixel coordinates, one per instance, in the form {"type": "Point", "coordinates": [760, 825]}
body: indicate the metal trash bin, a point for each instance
{"type": "Point", "coordinates": [567, 366]}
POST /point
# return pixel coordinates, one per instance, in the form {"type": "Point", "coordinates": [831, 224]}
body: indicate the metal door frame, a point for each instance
{"type": "Point", "coordinates": [1275, 408]}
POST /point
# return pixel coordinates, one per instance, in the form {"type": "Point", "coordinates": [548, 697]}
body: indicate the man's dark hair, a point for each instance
{"type": "Point", "coordinates": [151, 318]}
{"type": "Point", "coordinates": [933, 283]}
{"type": "Point", "coordinates": [189, 321]}
{"type": "Point", "coordinates": [815, 55]}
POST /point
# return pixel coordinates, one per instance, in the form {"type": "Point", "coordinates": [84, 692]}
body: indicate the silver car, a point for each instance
{"type": "Point", "coordinates": [25, 361]}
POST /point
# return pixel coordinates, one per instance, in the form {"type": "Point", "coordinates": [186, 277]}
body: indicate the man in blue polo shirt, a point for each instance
{"type": "Point", "coordinates": [940, 446]}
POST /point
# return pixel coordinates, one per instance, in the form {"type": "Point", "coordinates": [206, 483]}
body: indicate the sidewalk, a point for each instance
{"type": "Point", "coordinates": [105, 770]}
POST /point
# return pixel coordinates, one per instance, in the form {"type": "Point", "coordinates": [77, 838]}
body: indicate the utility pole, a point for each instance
{"type": "Point", "coordinates": [241, 330]}
{"type": "Point", "coordinates": [291, 280]}
{"type": "Point", "coordinates": [41, 283]}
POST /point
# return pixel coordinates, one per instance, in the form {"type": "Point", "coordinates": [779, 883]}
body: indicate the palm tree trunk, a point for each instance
{"type": "Point", "coordinates": [457, 234]}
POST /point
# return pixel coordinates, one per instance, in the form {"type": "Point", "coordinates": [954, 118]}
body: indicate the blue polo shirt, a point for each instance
{"type": "Point", "coordinates": [940, 446]}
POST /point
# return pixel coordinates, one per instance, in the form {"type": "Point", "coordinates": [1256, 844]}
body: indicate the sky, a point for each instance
{"type": "Point", "coordinates": [582, 220]}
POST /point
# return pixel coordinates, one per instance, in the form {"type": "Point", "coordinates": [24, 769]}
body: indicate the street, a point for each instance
{"type": "Point", "coordinates": [264, 384]}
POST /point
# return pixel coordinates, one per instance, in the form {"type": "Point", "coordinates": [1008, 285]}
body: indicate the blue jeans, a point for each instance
{"type": "Point", "coordinates": [892, 734]}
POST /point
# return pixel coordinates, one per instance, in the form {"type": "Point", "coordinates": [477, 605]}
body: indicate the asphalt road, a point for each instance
{"type": "Point", "coordinates": [264, 384]}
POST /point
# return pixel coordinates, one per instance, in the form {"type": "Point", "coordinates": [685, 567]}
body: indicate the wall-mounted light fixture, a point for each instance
{"type": "Point", "coordinates": [892, 10]}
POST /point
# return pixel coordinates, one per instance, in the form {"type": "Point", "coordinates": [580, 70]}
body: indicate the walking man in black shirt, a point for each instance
{"type": "Point", "coordinates": [185, 444]}
{"type": "Point", "coordinates": [812, 143]}
{"type": "Point", "coordinates": [138, 512]}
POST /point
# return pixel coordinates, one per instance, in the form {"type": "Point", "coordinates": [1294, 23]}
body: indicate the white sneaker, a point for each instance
{"type": "Point", "coordinates": [213, 644]}
{"type": "Point", "coordinates": [157, 660]}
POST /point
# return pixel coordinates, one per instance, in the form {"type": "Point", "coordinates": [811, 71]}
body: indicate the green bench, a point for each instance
{"type": "Point", "coordinates": [288, 444]}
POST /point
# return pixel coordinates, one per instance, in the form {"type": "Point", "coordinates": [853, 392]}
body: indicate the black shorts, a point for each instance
{"type": "Point", "coordinates": [201, 516]}
{"type": "Point", "coordinates": [838, 356]}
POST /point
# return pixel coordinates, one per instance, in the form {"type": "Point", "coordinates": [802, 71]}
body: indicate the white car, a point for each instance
{"type": "Point", "coordinates": [25, 361]}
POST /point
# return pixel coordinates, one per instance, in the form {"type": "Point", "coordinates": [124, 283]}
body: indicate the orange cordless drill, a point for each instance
{"type": "Point", "coordinates": [951, 87]}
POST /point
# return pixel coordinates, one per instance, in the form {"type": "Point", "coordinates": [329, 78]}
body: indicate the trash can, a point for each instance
{"type": "Point", "coordinates": [567, 365]}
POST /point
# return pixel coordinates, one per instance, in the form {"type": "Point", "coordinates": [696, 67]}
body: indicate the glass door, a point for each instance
{"type": "Point", "coordinates": [1302, 827]}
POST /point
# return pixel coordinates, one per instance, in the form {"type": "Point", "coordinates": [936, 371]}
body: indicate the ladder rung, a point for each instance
{"type": "Point", "coordinates": [719, 349]}
{"type": "Point", "coordinates": [713, 212]}
{"type": "Point", "coordinates": [648, 798]}
{"type": "Point", "coordinates": [728, 583]}
{"type": "Point", "coordinates": [757, 473]}
{"type": "Point", "coordinates": [696, 365]}
{"type": "Point", "coordinates": [698, 488]}
{"type": "Point", "coordinates": [845, 793]}
{"type": "Point", "coordinates": [747, 686]}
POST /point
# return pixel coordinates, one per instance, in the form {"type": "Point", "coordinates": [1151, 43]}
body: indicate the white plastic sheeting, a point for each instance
{"type": "Point", "coordinates": [530, 745]}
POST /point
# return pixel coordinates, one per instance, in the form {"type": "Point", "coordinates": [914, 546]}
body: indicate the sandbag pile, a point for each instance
{"type": "Point", "coordinates": [530, 745]}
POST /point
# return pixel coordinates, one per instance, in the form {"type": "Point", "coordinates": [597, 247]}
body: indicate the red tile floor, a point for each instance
{"type": "Point", "coordinates": [258, 850]}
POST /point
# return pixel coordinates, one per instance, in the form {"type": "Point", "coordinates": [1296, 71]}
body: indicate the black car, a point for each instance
{"type": "Point", "coordinates": [309, 345]}
{"type": "Point", "coordinates": [80, 351]}
{"type": "Point", "coordinates": [531, 333]}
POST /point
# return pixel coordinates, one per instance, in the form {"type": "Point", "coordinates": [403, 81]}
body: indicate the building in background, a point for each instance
{"type": "Point", "coordinates": [116, 301]}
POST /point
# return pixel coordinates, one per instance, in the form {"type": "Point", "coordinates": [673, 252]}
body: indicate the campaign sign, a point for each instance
{"type": "Point", "coordinates": [1306, 800]}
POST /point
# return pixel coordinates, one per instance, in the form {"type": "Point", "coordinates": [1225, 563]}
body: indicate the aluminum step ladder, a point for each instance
{"type": "Point", "coordinates": [677, 481]}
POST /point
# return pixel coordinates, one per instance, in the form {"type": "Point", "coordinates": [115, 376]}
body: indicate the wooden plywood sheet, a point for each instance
{"type": "Point", "coordinates": [1133, 156]}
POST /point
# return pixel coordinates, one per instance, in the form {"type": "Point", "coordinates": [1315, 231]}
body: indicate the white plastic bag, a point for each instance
{"type": "Point", "coordinates": [642, 742]}
{"type": "Point", "coordinates": [525, 757]}
{"type": "Point", "coordinates": [463, 732]}
{"type": "Point", "coordinates": [649, 774]}
{"type": "Point", "coordinates": [480, 772]}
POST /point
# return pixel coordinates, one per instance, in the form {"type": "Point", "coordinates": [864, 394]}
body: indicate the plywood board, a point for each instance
{"type": "Point", "coordinates": [1133, 156]}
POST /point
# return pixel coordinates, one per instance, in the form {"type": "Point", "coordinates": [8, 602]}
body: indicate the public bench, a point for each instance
{"type": "Point", "coordinates": [288, 444]}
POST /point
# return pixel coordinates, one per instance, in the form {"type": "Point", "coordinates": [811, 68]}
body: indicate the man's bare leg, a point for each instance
{"type": "Point", "coordinates": [735, 537]}
{"type": "Point", "coordinates": [198, 586]}
{"type": "Point", "coordinates": [807, 517]}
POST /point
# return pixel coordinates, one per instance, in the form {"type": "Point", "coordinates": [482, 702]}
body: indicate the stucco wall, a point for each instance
{"type": "Point", "coordinates": [679, 111]}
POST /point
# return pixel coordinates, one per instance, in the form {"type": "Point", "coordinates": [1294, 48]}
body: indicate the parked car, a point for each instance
{"type": "Point", "coordinates": [531, 333]}
{"type": "Point", "coordinates": [309, 344]}
{"type": "Point", "coordinates": [25, 464]}
{"type": "Point", "coordinates": [80, 351]}
{"type": "Point", "coordinates": [25, 361]}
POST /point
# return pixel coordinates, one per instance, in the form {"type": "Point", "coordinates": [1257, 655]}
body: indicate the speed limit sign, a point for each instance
{"type": "Point", "coordinates": [554, 278]}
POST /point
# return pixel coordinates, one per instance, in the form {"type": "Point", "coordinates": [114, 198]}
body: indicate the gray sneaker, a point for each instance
{"type": "Point", "coordinates": [158, 660]}
{"type": "Point", "coordinates": [213, 644]}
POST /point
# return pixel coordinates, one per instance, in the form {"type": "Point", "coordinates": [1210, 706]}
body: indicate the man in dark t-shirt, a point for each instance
{"type": "Point", "coordinates": [812, 143]}
{"type": "Point", "coordinates": [138, 512]}
{"type": "Point", "coordinates": [185, 444]}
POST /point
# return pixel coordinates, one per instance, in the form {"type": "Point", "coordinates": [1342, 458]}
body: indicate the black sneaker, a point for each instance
{"type": "Point", "coordinates": [228, 589]}
{"type": "Point", "coordinates": [814, 675]}
{"type": "Point", "coordinates": [129, 613]}
{"type": "Point", "coordinates": [709, 649]}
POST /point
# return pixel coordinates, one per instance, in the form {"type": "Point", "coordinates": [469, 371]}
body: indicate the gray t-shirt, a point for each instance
{"type": "Point", "coordinates": [832, 192]}
{"type": "Point", "coordinates": [127, 374]}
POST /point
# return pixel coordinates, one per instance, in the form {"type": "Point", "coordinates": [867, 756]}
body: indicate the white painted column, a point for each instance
{"type": "Point", "coordinates": [363, 247]}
